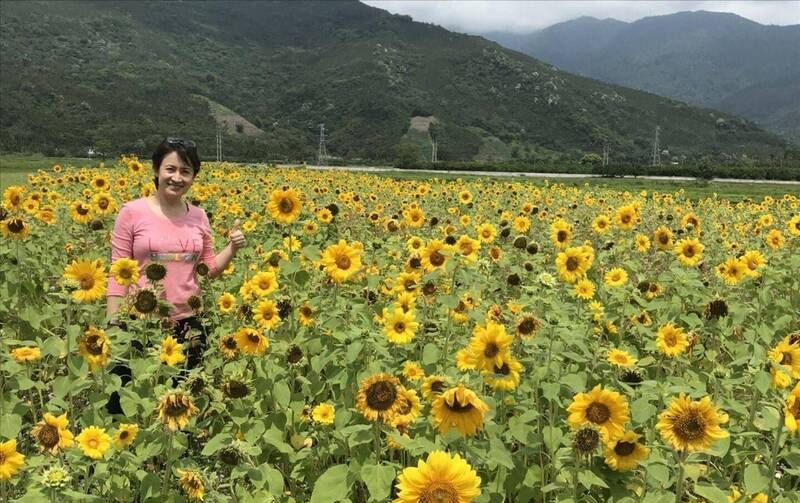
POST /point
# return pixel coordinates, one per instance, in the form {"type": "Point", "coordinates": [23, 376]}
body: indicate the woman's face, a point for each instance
{"type": "Point", "coordinates": [174, 176]}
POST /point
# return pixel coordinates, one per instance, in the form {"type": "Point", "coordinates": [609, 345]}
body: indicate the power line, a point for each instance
{"type": "Point", "coordinates": [322, 152]}
{"type": "Point", "coordinates": [656, 150]}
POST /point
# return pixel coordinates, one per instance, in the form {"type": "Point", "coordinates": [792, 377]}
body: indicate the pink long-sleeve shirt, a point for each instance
{"type": "Point", "coordinates": [178, 243]}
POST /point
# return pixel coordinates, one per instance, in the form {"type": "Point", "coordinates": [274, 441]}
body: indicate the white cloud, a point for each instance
{"type": "Point", "coordinates": [522, 16]}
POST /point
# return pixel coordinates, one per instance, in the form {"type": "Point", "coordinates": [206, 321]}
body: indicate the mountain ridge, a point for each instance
{"type": "Point", "coordinates": [109, 74]}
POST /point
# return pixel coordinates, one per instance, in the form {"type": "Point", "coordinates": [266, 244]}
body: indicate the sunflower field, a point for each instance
{"type": "Point", "coordinates": [404, 340]}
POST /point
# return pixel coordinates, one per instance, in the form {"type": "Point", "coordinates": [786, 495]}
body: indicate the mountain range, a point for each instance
{"type": "Point", "coordinates": [119, 75]}
{"type": "Point", "coordinates": [709, 59]}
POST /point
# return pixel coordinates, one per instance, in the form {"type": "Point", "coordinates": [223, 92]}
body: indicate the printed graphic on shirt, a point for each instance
{"type": "Point", "coordinates": [173, 257]}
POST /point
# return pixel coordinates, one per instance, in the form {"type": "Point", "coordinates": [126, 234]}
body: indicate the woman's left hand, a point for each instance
{"type": "Point", "coordinates": [236, 237]}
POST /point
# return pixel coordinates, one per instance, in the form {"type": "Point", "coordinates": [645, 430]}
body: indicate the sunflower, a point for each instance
{"type": "Point", "coordinates": [52, 434]}
{"type": "Point", "coordinates": [379, 397]}
{"type": "Point", "coordinates": [93, 441]}
{"type": "Point", "coordinates": [13, 197]}
{"type": "Point", "coordinates": [175, 409]}
{"type": "Point", "coordinates": [226, 303]}
{"type": "Point", "coordinates": [434, 255]}
{"type": "Point", "coordinates": [560, 233]}
{"type": "Point", "coordinates": [642, 243]}
{"type": "Point", "coordinates": [266, 314]}
{"type": "Point", "coordinates": [324, 215]}
{"type": "Point", "coordinates": [400, 327]}
{"type": "Point", "coordinates": [459, 408]}
{"type": "Point", "coordinates": [775, 239]}
{"type": "Point", "coordinates": [104, 203]}
{"type": "Point", "coordinates": [691, 425]}
{"type": "Point", "coordinates": [251, 341]}
{"type": "Point", "coordinates": [433, 386]}
{"type": "Point", "coordinates": [601, 224]}
{"type": "Point", "coordinates": [489, 346]}
{"type": "Point", "coordinates": [79, 212]}
{"type": "Point", "coordinates": [468, 248]}
{"type": "Point", "coordinates": [733, 270]}
{"type": "Point", "coordinates": [465, 197]}
{"type": "Point", "coordinates": [26, 354]}
{"type": "Point", "coordinates": [171, 351]}
{"type": "Point", "coordinates": [793, 226]}
{"type": "Point", "coordinates": [324, 413]}
{"type": "Point", "coordinates": [663, 238]}
{"type": "Point", "coordinates": [573, 263]}
{"type": "Point", "coordinates": [284, 205]}
{"type": "Point", "coordinates": [306, 315]}
{"type": "Point", "coordinates": [505, 376]}
{"type": "Point", "coordinates": [409, 409]}
{"type": "Point", "coordinates": [625, 453]}
{"type": "Point", "coordinates": [527, 326]}
{"type": "Point", "coordinates": [341, 260]}
{"type": "Point", "coordinates": [621, 358]}
{"type": "Point", "coordinates": [125, 271]}
{"type": "Point", "coordinates": [486, 232]}
{"type": "Point", "coordinates": [787, 356]}
{"type": "Point", "coordinates": [15, 228]}
{"type": "Point", "coordinates": [47, 215]}
{"type": "Point", "coordinates": [95, 347]}
{"type": "Point", "coordinates": [413, 371]}
{"type": "Point", "coordinates": [441, 477]}
{"type": "Point", "coordinates": [754, 261]}
{"type": "Point", "coordinates": [11, 461]}
{"type": "Point", "coordinates": [414, 217]}
{"type": "Point", "coordinates": [626, 217]}
{"type": "Point", "coordinates": [791, 410]}
{"type": "Point", "coordinates": [584, 289]}
{"type": "Point", "coordinates": [263, 283]}
{"type": "Point", "coordinates": [603, 408]}
{"type": "Point", "coordinates": [689, 251]}
{"type": "Point", "coordinates": [671, 340]}
{"type": "Point", "coordinates": [192, 484]}
{"type": "Point", "coordinates": [125, 435]}
{"type": "Point", "coordinates": [90, 277]}
{"type": "Point", "coordinates": [615, 277]}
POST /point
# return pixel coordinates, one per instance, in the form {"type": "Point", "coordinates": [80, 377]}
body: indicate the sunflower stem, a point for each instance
{"type": "Point", "coordinates": [774, 456]}
{"type": "Point", "coordinates": [681, 458]}
{"type": "Point", "coordinates": [168, 454]}
{"type": "Point", "coordinates": [376, 441]}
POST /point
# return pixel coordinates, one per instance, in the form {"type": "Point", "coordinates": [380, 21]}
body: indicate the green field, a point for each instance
{"type": "Point", "coordinates": [15, 168]}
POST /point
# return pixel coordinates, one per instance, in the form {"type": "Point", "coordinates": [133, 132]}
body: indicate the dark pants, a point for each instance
{"type": "Point", "coordinates": [194, 345]}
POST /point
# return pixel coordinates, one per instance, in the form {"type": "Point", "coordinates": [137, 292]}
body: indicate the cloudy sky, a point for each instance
{"type": "Point", "coordinates": [478, 16]}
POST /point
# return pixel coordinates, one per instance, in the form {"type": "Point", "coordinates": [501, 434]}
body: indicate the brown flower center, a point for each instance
{"type": "Point", "coordinates": [94, 345]}
{"type": "Point", "coordinates": [572, 264]}
{"type": "Point", "coordinates": [786, 358]}
{"type": "Point", "coordinates": [254, 337]}
{"type": "Point", "coordinates": [690, 426]}
{"type": "Point", "coordinates": [87, 282]}
{"type": "Point", "coordinates": [381, 395]}
{"type": "Point", "coordinates": [624, 448]}
{"type": "Point", "coordinates": [439, 492]}
{"type": "Point", "coordinates": [399, 326]}
{"type": "Point", "coordinates": [16, 226]}
{"type": "Point", "coordinates": [491, 350]}
{"type": "Point", "coordinates": [48, 436]}
{"type": "Point", "coordinates": [561, 236]}
{"type": "Point", "coordinates": [436, 259]}
{"type": "Point", "coordinates": [458, 407]}
{"type": "Point", "coordinates": [598, 413]}
{"type": "Point", "coordinates": [343, 262]}
{"type": "Point", "coordinates": [286, 205]}
{"type": "Point", "coordinates": [176, 407]}
{"type": "Point", "coordinates": [123, 434]}
{"type": "Point", "coordinates": [670, 339]}
{"type": "Point", "coordinates": [688, 251]}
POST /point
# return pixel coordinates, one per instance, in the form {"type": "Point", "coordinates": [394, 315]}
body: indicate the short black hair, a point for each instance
{"type": "Point", "coordinates": [186, 149]}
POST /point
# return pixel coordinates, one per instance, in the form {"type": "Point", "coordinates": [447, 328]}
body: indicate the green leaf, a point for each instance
{"type": "Point", "coordinates": [378, 479]}
{"type": "Point", "coordinates": [10, 425]}
{"type": "Point", "coordinates": [641, 410]}
{"type": "Point", "coordinates": [281, 393]}
{"type": "Point", "coordinates": [216, 443]}
{"type": "Point", "coordinates": [588, 479]}
{"type": "Point", "coordinates": [498, 454]}
{"type": "Point", "coordinates": [762, 381]}
{"type": "Point", "coordinates": [274, 479]}
{"type": "Point", "coordinates": [756, 478]}
{"type": "Point", "coordinates": [449, 301]}
{"type": "Point", "coordinates": [660, 473]}
{"type": "Point", "coordinates": [331, 485]}
{"type": "Point", "coordinates": [430, 354]}
{"type": "Point", "coordinates": [552, 437]}
{"type": "Point", "coordinates": [711, 493]}
{"type": "Point", "coordinates": [576, 382]}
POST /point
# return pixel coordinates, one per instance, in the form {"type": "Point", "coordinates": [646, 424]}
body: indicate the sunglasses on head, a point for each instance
{"type": "Point", "coordinates": [181, 142]}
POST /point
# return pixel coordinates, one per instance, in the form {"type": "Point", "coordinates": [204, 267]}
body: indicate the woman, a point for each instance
{"type": "Point", "coordinates": [164, 228]}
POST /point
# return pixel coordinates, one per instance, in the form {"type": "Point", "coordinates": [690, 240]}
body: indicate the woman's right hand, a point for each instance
{"type": "Point", "coordinates": [236, 236]}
